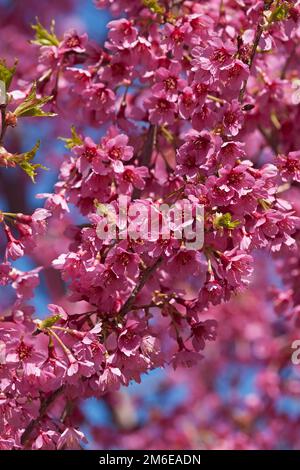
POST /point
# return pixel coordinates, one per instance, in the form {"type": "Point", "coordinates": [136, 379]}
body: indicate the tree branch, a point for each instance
{"type": "Point", "coordinates": [144, 278]}
{"type": "Point", "coordinates": [258, 34]}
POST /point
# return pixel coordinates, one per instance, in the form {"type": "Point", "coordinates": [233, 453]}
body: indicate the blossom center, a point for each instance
{"type": "Point", "coordinates": [128, 176]}
{"type": "Point", "coordinates": [89, 153]}
{"type": "Point", "coordinates": [163, 105]}
{"type": "Point", "coordinates": [220, 56]}
{"type": "Point", "coordinates": [292, 165]}
{"type": "Point", "coordinates": [72, 42]}
{"type": "Point", "coordinates": [24, 350]}
{"type": "Point", "coordinates": [170, 83]}
{"type": "Point", "coordinates": [115, 153]}
{"type": "Point", "coordinates": [234, 178]}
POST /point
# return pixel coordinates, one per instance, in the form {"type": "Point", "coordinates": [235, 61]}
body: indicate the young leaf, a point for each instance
{"type": "Point", "coordinates": [222, 221]}
{"type": "Point", "coordinates": [281, 12]}
{"type": "Point", "coordinates": [6, 73]}
{"type": "Point", "coordinates": [72, 141]}
{"type": "Point", "coordinates": [44, 37]}
{"type": "Point", "coordinates": [24, 161]}
{"type": "Point", "coordinates": [32, 106]}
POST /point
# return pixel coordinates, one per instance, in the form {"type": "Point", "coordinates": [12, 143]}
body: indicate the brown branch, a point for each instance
{"type": "Point", "coordinates": [46, 403]}
{"type": "Point", "coordinates": [144, 278]}
{"type": "Point", "coordinates": [149, 146]}
{"type": "Point", "coordinates": [269, 139]}
{"type": "Point", "coordinates": [3, 122]}
{"type": "Point", "coordinates": [146, 154]}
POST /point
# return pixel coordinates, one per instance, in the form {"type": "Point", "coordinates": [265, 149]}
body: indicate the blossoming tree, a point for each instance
{"type": "Point", "coordinates": [186, 102]}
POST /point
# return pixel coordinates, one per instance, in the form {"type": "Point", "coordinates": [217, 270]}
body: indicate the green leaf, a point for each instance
{"type": "Point", "coordinates": [24, 161]}
{"type": "Point", "coordinates": [280, 13]}
{"type": "Point", "coordinates": [72, 141]}
{"type": "Point", "coordinates": [222, 221]}
{"type": "Point", "coordinates": [32, 106]}
{"type": "Point", "coordinates": [7, 73]}
{"type": "Point", "coordinates": [44, 37]}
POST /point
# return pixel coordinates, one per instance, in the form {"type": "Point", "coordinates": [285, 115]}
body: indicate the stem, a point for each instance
{"type": "Point", "coordinates": [258, 33]}
{"type": "Point", "coordinates": [67, 411]}
{"type": "Point", "coordinates": [46, 403]}
{"type": "Point", "coordinates": [146, 154]}
{"type": "Point", "coordinates": [145, 276]}
{"type": "Point", "coordinates": [149, 146]}
{"type": "Point", "coordinates": [215, 98]}
{"type": "Point", "coordinates": [221, 10]}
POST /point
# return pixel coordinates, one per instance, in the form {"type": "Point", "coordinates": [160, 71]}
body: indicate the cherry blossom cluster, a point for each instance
{"type": "Point", "coordinates": [186, 102]}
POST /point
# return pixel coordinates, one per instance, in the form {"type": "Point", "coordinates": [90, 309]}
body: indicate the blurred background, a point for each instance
{"type": "Point", "coordinates": [245, 392]}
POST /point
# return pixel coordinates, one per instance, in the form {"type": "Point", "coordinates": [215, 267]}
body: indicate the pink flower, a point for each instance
{"type": "Point", "coordinates": [110, 379]}
{"type": "Point", "coordinates": [72, 42]}
{"type": "Point", "coordinates": [55, 204]}
{"type": "Point", "coordinates": [289, 166]}
{"type": "Point", "coordinates": [161, 109]}
{"type": "Point", "coordinates": [203, 331]}
{"type": "Point", "coordinates": [129, 339]}
{"type": "Point", "coordinates": [79, 79]}
{"type": "Point", "coordinates": [236, 267]}
{"type": "Point", "coordinates": [14, 249]}
{"type": "Point", "coordinates": [233, 118]}
{"type": "Point", "coordinates": [116, 150]}
{"type": "Point", "coordinates": [4, 273]}
{"type": "Point", "coordinates": [122, 33]}
{"type": "Point", "coordinates": [187, 103]}
{"type": "Point", "coordinates": [237, 178]}
{"type": "Point", "coordinates": [38, 220]}
{"type": "Point", "coordinates": [195, 152]}
{"type": "Point", "coordinates": [168, 81]}
{"type": "Point", "coordinates": [25, 283]}
{"type": "Point", "coordinates": [212, 58]}
{"type": "Point", "coordinates": [89, 156]}
{"type": "Point", "coordinates": [184, 263]}
{"type": "Point", "coordinates": [99, 98]}
{"type": "Point", "coordinates": [233, 75]}
{"type": "Point", "coordinates": [230, 152]}
{"type": "Point", "coordinates": [176, 37]}
{"type": "Point", "coordinates": [124, 262]}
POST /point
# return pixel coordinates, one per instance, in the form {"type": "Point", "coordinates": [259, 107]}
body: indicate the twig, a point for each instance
{"type": "Point", "coordinates": [149, 146]}
{"type": "Point", "coordinates": [3, 122]}
{"type": "Point", "coordinates": [146, 154]}
{"type": "Point", "coordinates": [258, 34]}
{"type": "Point", "coordinates": [268, 139]}
{"type": "Point", "coordinates": [288, 61]}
